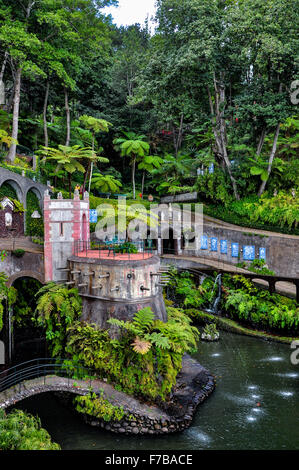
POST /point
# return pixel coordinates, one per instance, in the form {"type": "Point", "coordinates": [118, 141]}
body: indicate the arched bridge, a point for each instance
{"type": "Point", "coordinates": [22, 185]}
{"type": "Point", "coordinates": [57, 375]}
{"type": "Point", "coordinates": [45, 375]}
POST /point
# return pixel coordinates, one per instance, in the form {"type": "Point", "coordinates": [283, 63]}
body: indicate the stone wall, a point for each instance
{"type": "Point", "coordinates": [28, 265]}
{"type": "Point", "coordinates": [282, 252]}
{"type": "Point", "coordinates": [131, 286]}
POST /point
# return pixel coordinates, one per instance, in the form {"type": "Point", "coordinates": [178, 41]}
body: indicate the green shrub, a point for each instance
{"type": "Point", "coordinates": [144, 360]}
{"type": "Point", "coordinates": [241, 300]}
{"type": "Point", "coordinates": [21, 431]}
{"type": "Point", "coordinates": [34, 227]}
{"type": "Point", "coordinates": [18, 253]}
{"type": "Point", "coordinates": [280, 213]}
{"type": "Point", "coordinates": [98, 407]}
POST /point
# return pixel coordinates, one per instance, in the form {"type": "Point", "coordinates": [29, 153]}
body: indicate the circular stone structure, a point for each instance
{"type": "Point", "coordinates": [117, 287]}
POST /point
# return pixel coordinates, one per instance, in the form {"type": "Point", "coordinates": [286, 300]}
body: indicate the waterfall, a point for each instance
{"type": "Point", "coordinates": [215, 303]}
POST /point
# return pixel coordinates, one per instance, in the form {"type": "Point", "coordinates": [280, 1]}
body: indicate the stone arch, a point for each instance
{"type": "Point", "coordinates": [169, 243]}
{"type": "Point", "coordinates": [17, 189]}
{"type": "Point", "coordinates": [33, 274]}
{"type": "Point", "coordinates": [37, 193]}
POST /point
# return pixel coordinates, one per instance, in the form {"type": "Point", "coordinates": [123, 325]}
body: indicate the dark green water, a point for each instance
{"type": "Point", "coordinates": [249, 373]}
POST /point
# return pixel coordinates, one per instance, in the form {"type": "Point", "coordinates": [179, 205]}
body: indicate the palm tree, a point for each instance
{"type": "Point", "coordinates": [105, 183]}
{"type": "Point", "coordinates": [95, 126]}
{"type": "Point", "coordinates": [134, 146]}
{"type": "Point", "coordinates": [67, 158]}
{"type": "Point", "coordinates": [149, 164]}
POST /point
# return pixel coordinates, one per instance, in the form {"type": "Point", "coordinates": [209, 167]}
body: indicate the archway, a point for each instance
{"type": "Point", "coordinates": [169, 244]}
{"type": "Point", "coordinates": [34, 227]}
{"type": "Point", "coordinates": [38, 195]}
{"type": "Point", "coordinates": [85, 230]}
{"type": "Point", "coordinates": [16, 190]}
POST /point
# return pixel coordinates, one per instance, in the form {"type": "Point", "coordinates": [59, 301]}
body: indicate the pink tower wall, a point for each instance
{"type": "Point", "coordinates": [63, 225]}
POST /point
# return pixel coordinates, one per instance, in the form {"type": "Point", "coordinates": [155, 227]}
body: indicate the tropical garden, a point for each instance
{"type": "Point", "coordinates": [206, 103]}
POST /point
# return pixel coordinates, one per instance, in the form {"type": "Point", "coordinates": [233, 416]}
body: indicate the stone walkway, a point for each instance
{"type": "Point", "coordinates": [21, 243]}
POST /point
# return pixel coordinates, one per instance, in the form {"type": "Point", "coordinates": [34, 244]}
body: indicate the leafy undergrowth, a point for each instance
{"type": "Point", "coordinates": [98, 407]}
{"type": "Point", "coordinates": [241, 300]}
{"type": "Point", "coordinates": [145, 358]}
{"type": "Point", "coordinates": [21, 431]}
{"type": "Point", "coordinates": [275, 214]}
{"type": "Point", "coordinates": [200, 318]}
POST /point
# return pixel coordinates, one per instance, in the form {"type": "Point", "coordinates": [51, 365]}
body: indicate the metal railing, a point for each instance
{"type": "Point", "coordinates": [43, 367]}
{"type": "Point", "coordinates": [112, 249]}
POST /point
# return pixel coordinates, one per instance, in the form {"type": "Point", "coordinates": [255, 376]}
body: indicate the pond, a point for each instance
{"type": "Point", "coordinates": [254, 405]}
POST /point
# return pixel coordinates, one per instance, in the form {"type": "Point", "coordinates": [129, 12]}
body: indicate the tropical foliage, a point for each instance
{"type": "Point", "coordinates": [8, 296]}
{"type": "Point", "coordinates": [145, 358]}
{"type": "Point", "coordinates": [21, 431]}
{"type": "Point", "coordinates": [98, 407]}
{"type": "Point", "coordinates": [57, 308]}
{"type": "Point", "coordinates": [241, 300]}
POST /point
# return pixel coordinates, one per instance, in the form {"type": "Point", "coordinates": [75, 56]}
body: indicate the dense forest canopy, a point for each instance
{"type": "Point", "coordinates": [211, 88]}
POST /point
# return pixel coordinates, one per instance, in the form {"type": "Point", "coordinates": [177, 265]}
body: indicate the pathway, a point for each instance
{"type": "Point", "coordinates": [21, 243]}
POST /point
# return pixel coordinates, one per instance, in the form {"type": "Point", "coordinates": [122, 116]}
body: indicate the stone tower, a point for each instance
{"type": "Point", "coordinates": [65, 221]}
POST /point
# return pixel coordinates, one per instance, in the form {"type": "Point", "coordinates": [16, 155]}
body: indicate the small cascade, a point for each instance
{"type": "Point", "coordinates": [214, 306]}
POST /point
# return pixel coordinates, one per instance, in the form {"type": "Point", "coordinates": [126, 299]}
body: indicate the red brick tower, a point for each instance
{"type": "Point", "coordinates": [65, 221]}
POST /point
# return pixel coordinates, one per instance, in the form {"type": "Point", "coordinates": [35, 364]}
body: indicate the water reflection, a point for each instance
{"type": "Point", "coordinates": [253, 406]}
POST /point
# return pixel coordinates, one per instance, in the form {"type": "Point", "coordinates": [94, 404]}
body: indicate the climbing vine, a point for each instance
{"type": "Point", "coordinates": [34, 227]}
{"type": "Point", "coordinates": [8, 296]}
{"type": "Point", "coordinates": [98, 407]}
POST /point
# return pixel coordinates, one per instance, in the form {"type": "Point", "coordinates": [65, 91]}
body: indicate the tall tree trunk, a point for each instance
{"type": "Point", "coordinates": [86, 174]}
{"type": "Point", "coordinates": [70, 184]}
{"type": "Point", "coordinates": [15, 119]}
{"type": "Point", "coordinates": [45, 115]}
{"type": "Point", "coordinates": [90, 176]}
{"type": "Point", "coordinates": [91, 166]}
{"type": "Point", "coordinates": [133, 176]}
{"type": "Point", "coordinates": [219, 130]}
{"type": "Point", "coordinates": [3, 66]}
{"type": "Point", "coordinates": [68, 118]}
{"type": "Point", "coordinates": [142, 185]}
{"type": "Point", "coordinates": [270, 162]}
{"type": "Point", "coordinates": [178, 140]}
{"type": "Point", "coordinates": [261, 142]}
